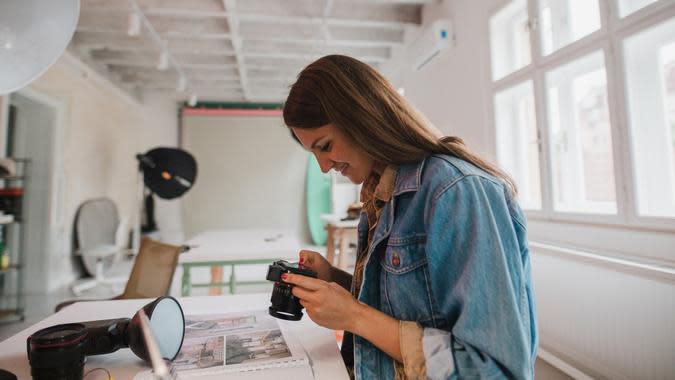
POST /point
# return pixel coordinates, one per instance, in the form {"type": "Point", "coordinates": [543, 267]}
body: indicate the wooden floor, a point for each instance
{"type": "Point", "coordinates": [545, 371]}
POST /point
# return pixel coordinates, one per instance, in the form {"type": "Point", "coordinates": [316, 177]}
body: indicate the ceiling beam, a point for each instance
{"type": "Point", "coordinates": [233, 22]}
{"type": "Point", "coordinates": [154, 74]}
{"type": "Point", "coordinates": [124, 42]}
{"type": "Point", "coordinates": [164, 36]}
{"type": "Point", "coordinates": [261, 18]}
{"type": "Point", "coordinates": [307, 57]}
{"type": "Point", "coordinates": [195, 88]}
{"type": "Point", "coordinates": [146, 48]}
{"type": "Point", "coordinates": [417, 2]}
{"type": "Point", "coordinates": [372, 42]}
{"type": "Point", "coordinates": [195, 66]}
{"type": "Point", "coordinates": [332, 42]}
{"type": "Point", "coordinates": [383, 42]}
{"type": "Point", "coordinates": [111, 51]}
{"type": "Point", "coordinates": [291, 20]}
{"type": "Point", "coordinates": [197, 35]}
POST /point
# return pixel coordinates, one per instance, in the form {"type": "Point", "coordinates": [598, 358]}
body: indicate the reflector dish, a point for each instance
{"type": "Point", "coordinates": [33, 35]}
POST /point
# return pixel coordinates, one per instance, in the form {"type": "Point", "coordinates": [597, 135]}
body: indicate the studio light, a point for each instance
{"type": "Point", "coordinates": [163, 62]}
{"type": "Point", "coordinates": [182, 84]}
{"type": "Point", "coordinates": [193, 100]}
{"type": "Point", "coordinates": [134, 25]}
{"type": "Point", "coordinates": [33, 35]}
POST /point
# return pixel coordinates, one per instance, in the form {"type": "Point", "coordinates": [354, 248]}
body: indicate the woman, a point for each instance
{"type": "Point", "coordinates": [442, 285]}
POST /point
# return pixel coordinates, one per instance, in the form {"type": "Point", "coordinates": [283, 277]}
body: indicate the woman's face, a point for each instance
{"type": "Point", "coordinates": [334, 150]}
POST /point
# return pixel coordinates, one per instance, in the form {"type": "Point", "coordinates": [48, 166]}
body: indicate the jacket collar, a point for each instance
{"type": "Point", "coordinates": [409, 177]}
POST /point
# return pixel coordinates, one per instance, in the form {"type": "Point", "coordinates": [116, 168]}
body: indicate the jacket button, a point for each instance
{"type": "Point", "coordinates": [395, 260]}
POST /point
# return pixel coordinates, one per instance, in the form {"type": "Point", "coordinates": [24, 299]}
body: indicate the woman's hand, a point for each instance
{"type": "Point", "coordinates": [332, 306]}
{"type": "Point", "coordinates": [327, 303]}
{"type": "Point", "coordinates": [316, 262]}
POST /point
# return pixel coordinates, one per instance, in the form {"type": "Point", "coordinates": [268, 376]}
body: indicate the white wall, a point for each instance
{"type": "Point", "coordinates": [251, 175]}
{"type": "Point", "coordinates": [450, 90]}
{"type": "Point", "coordinates": [101, 131]}
{"type": "Point", "coordinates": [608, 320]}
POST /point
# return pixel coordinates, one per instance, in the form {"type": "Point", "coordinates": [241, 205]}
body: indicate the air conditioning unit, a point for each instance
{"type": "Point", "coordinates": [433, 39]}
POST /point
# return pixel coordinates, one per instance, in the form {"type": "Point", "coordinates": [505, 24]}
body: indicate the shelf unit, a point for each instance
{"type": "Point", "coordinates": [13, 234]}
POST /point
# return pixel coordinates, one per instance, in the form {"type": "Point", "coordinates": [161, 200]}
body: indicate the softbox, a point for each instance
{"type": "Point", "coordinates": [168, 172]}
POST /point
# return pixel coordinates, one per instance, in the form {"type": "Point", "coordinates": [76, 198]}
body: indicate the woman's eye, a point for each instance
{"type": "Point", "coordinates": [326, 148]}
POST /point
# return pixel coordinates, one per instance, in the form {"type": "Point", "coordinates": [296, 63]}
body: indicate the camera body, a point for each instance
{"type": "Point", "coordinates": [284, 304]}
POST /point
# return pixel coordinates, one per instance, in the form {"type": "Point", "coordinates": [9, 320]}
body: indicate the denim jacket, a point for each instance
{"type": "Point", "coordinates": [450, 252]}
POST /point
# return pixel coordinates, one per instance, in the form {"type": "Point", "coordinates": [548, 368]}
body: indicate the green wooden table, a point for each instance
{"type": "Point", "coordinates": [232, 282]}
{"type": "Point", "coordinates": [233, 248]}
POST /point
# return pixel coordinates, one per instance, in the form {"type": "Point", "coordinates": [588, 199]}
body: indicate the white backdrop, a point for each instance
{"type": "Point", "coordinates": [251, 175]}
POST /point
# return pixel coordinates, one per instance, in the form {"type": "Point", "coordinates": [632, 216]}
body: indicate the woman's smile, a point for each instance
{"type": "Point", "coordinates": [342, 169]}
{"type": "Point", "coordinates": [333, 150]}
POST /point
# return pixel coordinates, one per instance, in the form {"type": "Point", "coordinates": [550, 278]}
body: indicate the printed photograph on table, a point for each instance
{"type": "Point", "coordinates": [255, 346]}
{"type": "Point", "coordinates": [235, 342]}
{"type": "Point", "coordinates": [200, 353]}
{"type": "Point", "coordinates": [219, 324]}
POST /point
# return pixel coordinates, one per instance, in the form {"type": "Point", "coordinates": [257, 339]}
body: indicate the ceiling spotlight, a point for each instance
{"type": "Point", "coordinates": [163, 62]}
{"type": "Point", "coordinates": [182, 84]}
{"type": "Point", "coordinates": [7, 38]}
{"type": "Point", "coordinates": [134, 24]}
{"type": "Point", "coordinates": [193, 100]}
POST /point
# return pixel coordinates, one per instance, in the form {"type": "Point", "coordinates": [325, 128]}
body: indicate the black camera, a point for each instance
{"type": "Point", "coordinates": [284, 304]}
{"type": "Point", "coordinates": [59, 352]}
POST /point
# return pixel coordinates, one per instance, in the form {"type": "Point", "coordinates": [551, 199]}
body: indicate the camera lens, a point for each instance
{"type": "Point", "coordinates": [284, 304]}
{"type": "Point", "coordinates": [57, 352]}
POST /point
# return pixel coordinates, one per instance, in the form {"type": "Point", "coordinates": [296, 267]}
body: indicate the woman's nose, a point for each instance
{"type": "Point", "coordinates": [324, 163]}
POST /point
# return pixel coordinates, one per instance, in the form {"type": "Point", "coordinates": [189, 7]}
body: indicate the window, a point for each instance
{"type": "Point", "coordinates": [565, 21]}
{"type": "Point", "coordinates": [650, 79]}
{"type": "Point", "coordinates": [580, 137]}
{"type": "Point", "coordinates": [510, 39]}
{"type": "Point", "coordinates": [518, 142]}
{"type": "Point", "coordinates": [586, 127]}
{"type": "Point", "coordinates": [627, 7]}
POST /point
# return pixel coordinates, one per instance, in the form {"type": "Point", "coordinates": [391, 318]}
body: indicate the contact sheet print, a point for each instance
{"type": "Point", "coordinates": [236, 342]}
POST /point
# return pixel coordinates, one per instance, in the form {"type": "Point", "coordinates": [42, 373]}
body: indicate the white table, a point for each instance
{"type": "Point", "coordinates": [219, 248]}
{"type": "Point", "coordinates": [318, 342]}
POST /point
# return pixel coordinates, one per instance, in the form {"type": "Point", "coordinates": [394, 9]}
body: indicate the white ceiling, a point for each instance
{"type": "Point", "coordinates": [229, 50]}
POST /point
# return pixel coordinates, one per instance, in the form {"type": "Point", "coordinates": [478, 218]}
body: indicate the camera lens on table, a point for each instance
{"type": "Point", "coordinates": [58, 352]}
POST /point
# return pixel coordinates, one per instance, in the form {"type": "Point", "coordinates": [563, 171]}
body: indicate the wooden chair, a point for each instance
{"type": "Point", "coordinates": [151, 274]}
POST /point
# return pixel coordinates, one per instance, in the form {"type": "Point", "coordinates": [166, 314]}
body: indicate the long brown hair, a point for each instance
{"type": "Point", "coordinates": [368, 110]}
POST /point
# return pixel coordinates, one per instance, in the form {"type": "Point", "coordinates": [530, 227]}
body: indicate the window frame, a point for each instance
{"type": "Point", "coordinates": [538, 138]}
{"type": "Point", "coordinates": [609, 40]}
{"type": "Point", "coordinates": [582, 55]}
{"type": "Point", "coordinates": [504, 4]}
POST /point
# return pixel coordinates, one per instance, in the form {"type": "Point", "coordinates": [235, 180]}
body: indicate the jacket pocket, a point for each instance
{"type": "Point", "coordinates": [403, 255]}
{"type": "Point", "coordinates": [404, 283]}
